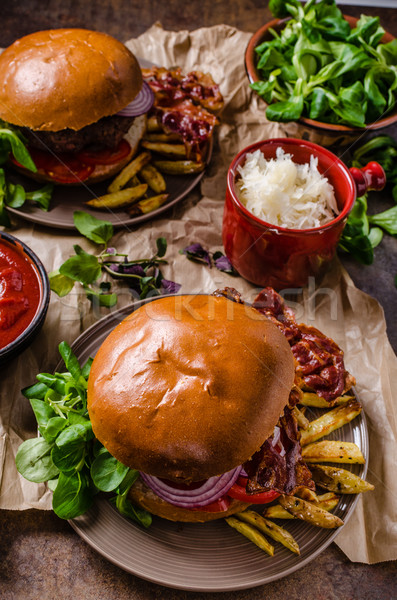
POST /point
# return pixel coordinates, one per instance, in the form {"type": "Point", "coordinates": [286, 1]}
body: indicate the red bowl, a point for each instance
{"type": "Point", "coordinates": [268, 255]}
{"type": "Point", "coordinates": [326, 134]}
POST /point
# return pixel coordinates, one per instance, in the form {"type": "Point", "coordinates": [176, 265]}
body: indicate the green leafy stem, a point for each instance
{"type": "Point", "coordinates": [66, 454]}
{"type": "Point", "coordinates": [144, 276]}
{"type": "Point", "coordinates": [14, 194]}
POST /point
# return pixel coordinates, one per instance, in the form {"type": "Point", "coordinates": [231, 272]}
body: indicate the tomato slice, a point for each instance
{"type": "Point", "coordinates": [220, 505]}
{"type": "Point", "coordinates": [63, 168]}
{"type": "Point", "coordinates": [237, 491]}
{"type": "Point", "coordinates": [105, 157]}
{"type": "Point", "coordinates": [70, 173]}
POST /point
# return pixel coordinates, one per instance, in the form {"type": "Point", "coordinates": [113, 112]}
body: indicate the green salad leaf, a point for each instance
{"type": "Point", "coordinates": [67, 455]}
{"type": "Point", "coordinates": [318, 67]}
{"type": "Point", "coordinates": [14, 194]}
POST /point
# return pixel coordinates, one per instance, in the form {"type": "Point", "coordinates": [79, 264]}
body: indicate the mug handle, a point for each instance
{"type": "Point", "coordinates": [370, 177]}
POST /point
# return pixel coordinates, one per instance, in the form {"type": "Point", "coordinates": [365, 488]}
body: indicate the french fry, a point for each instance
{"type": "Point", "coordinates": [339, 480]}
{"type": "Point", "coordinates": [309, 512]}
{"type": "Point", "coordinates": [306, 494]}
{"type": "Point", "coordinates": [120, 198]}
{"type": "Point", "coordinates": [325, 501]}
{"type": "Point", "coordinates": [332, 451]}
{"type": "Point", "coordinates": [162, 137]}
{"type": "Point", "coordinates": [303, 421]}
{"type": "Point", "coordinates": [167, 149]}
{"type": "Point", "coordinates": [153, 178]}
{"type": "Point", "coordinates": [310, 399]}
{"type": "Point", "coordinates": [148, 205]}
{"type": "Point", "coordinates": [329, 421]}
{"type": "Point", "coordinates": [152, 124]}
{"type": "Point", "coordinates": [179, 167]}
{"type": "Point", "coordinates": [251, 533]}
{"type": "Point", "coordinates": [328, 501]}
{"type": "Point", "coordinates": [277, 533]}
{"type": "Point", "coordinates": [129, 172]}
{"type": "Point", "coordinates": [276, 511]}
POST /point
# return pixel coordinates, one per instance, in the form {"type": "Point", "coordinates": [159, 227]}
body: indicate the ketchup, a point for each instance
{"type": "Point", "coordinates": [19, 293]}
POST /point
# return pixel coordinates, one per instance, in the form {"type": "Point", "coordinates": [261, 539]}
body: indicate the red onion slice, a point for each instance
{"type": "Point", "coordinates": [212, 489]}
{"type": "Point", "coordinates": [140, 104]}
{"type": "Point", "coordinates": [276, 436]}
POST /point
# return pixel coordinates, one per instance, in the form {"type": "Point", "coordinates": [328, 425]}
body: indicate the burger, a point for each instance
{"type": "Point", "coordinates": [197, 394]}
{"type": "Point", "coordinates": [78, 98]}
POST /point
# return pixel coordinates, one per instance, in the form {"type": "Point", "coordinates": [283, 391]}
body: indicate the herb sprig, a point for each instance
{"type": "Point", "coordinates": [66, 454]}
{"type": "Point", "coordinates": [363, 232]}
{"type": "Point", "coordinates": [14, 194]}
{"type": "Point", "coordinates": [144, 275]}
{"type": "Point", "coordinates": [196, 253]}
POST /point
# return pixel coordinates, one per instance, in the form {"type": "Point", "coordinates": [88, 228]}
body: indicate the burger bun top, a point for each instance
{"type": "Point", "coordinates": [188, 387]}
{"type": "Point", "coordinates": [66, 78]}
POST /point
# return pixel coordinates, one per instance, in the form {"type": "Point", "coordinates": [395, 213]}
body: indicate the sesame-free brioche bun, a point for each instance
{"type": "Point", "coordinates": [66, 78]}
{"type": "Point", "coordinates": [188, 387]}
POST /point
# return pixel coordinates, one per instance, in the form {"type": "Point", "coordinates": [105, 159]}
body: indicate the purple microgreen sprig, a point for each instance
{"type": "Point", "coordinates": [144, 276]}
{"type": "Point", "coordinates": [197, 253]}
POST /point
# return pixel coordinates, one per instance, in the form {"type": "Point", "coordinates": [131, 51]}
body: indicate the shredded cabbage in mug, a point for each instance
{"type": "Point", "coordinates": [284, 193]}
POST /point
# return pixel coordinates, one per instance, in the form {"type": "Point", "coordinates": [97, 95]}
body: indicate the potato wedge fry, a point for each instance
{"type": "Point", "coordinates": [148, 205]}
{"type": "Point", "coordinates": [162, 137]}
{"type": "Point", "coordinates": [129, 172]}
{"type": "Point", "coordinates": [251, 533]}
{"type": "Point", "coordinates": [309, 512]}
{"type": "Point", "coordinates": [152, 124]}
{"type": "Point", "coordinates": [332, 451]}
{"type": "Point", "coordinates": [120, 198]}
{"type": "Point", "coordinates": [164, 148]}
{"type": "Point", "coordinates": [309, 399]}
{"type": "Point", "coordinates": [328, 501]}
{"type": "Point", "coordinates": [329, 421]}
{"type": "Point", "coordinates": [303, 421]}
{"type": "Point", "coordinates": [274, 531]}
{"type": "Point", "coordinates": [276, 511]}
{"type": "Point", "coordinates": [325, 501]}
{"type": "Point", "coordinates": [179, 167]}
{"type": "Point", "coordinates": [339, 480]}
{"type": "Point", "coordinates": [306, 494]}
{"type": "Point", "coordinates": [153, 178]}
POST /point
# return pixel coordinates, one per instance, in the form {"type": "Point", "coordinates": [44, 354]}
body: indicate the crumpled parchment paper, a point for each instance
{"type": "Point", "coordinates": [343, 312]}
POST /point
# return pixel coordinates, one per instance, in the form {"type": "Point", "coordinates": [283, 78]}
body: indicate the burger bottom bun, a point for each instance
{"type": "Point", "coordinates": [141, 495]}
{"type": "Point", "coordinates": [100, 172]}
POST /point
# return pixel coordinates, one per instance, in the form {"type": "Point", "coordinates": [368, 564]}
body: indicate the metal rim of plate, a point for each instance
{"type": "Point", "coordinates": [69, 199]}
{"type": "Point", "coordinates": [209, 557]}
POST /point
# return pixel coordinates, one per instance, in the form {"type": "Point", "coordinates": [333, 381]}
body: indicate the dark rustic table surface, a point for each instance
{"type": "Point", "coordinates": [41, 557]}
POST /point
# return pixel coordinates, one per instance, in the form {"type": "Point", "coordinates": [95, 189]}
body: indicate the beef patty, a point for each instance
{"type": "Point", "coordinates": [105, 133]}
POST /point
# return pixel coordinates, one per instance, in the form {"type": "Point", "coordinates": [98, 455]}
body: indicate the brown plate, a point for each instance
{"type": "Point", "coordinates": [66, 200]}
{"type": "Point", "coordinates": [208, 557]}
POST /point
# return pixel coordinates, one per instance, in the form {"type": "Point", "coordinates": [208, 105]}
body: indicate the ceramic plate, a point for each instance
{"type": "Point", "coordinates": [66, 200]}
{"type": "Point", "coordinates": [208, 557]}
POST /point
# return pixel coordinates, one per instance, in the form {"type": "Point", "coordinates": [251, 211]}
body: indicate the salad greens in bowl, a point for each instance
{"type": "Point", "coordinates": [328, 72]}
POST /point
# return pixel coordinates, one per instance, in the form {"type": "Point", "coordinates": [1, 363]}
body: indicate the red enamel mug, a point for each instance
{"type": "Point", "coordinates": [269, 255]}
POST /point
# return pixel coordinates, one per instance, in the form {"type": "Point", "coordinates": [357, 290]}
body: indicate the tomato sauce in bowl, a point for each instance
{"type": "Point", "coordinates": [24, 295]}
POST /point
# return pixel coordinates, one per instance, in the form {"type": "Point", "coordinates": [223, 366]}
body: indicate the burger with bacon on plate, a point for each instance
{"type": "Point", "coordinates": [78, 98]}
{"type": "Point", "coordinates": [198, 392]}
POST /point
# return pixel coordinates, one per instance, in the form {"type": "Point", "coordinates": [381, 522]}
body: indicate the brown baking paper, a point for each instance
{"type": "Point", "coordinates": [343, 312]}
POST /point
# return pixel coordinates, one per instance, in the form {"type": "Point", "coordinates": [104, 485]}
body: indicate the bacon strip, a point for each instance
{"type": "Point", "coordinates": [171, 85]}
{"type": "Point", "coordinates": [269, 470]}
{"type": "Point", "coordinates": [185, 104]}
{"type": "Point", "coordinates": [319, 359]}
